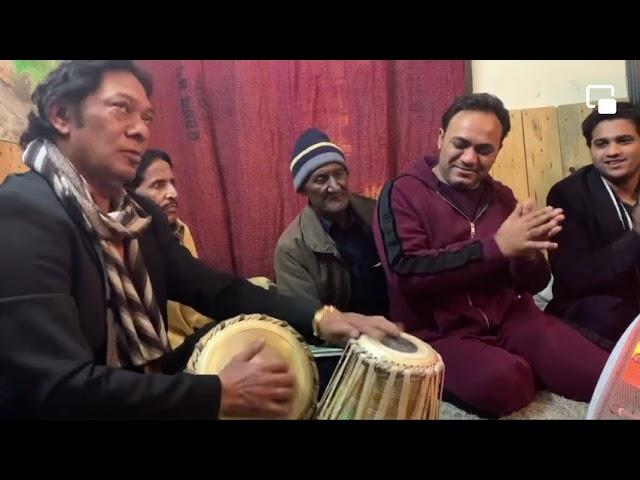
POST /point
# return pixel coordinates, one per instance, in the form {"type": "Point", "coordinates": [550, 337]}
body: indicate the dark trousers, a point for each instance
{"type": "Point", "coordinates": [498, 373]}
{"type": "Point", "coordinates": [601, 318]}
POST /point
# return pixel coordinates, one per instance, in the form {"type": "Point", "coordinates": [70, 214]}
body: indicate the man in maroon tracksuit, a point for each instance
{"type": "Point", "coordinates": [462, 258]}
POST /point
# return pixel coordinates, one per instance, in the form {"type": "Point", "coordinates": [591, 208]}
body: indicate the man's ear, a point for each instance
{"type": "Point", "coordinates": [440, 138]}
{"type": "Point", "coordinates": [60, 117]}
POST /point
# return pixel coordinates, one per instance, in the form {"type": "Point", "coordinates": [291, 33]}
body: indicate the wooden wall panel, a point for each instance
{"type": "Point", "coordinates": [510, 167]}
{"type": "Point", "coordinates": [574, 151]}
{"type": "Point", "coordinates": [542, 146]}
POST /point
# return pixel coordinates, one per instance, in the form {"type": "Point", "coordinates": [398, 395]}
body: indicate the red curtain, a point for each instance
{"type": "Point", "coordinates": [230, 127]}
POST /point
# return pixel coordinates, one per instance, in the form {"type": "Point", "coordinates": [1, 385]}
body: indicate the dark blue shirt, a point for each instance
{"type": "Point", "coordinates": [358, 251]}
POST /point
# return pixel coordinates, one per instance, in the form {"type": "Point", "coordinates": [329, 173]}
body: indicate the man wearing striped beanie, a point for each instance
{"type": "Point", "coordinates": [328, 252]}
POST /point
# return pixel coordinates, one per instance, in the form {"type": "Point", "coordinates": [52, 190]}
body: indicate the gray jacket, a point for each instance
{"type": "Point", "coordinates": [307, 261]}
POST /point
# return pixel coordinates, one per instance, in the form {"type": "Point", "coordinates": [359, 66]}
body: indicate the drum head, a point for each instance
{"type": "Point", "coordinates": [283, 343]}
{"type": "Point", "coordinates": [404, 350]}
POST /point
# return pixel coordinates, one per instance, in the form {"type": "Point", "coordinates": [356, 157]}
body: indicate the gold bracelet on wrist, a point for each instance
{"type": "Point", "coordinates": [319, 315]}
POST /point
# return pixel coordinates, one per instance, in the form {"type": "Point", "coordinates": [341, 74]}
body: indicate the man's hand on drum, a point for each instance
{"type": "Point", "coordinates": [338, 327]}
{"type": "Point", "coordinates": [255, 389]}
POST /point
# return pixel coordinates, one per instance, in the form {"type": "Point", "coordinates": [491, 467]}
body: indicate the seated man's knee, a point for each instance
{"type": "Point", "coordinates": [504, 388]}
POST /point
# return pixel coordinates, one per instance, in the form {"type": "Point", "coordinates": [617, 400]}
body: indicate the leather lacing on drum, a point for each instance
{"type": "Point", "coordinates": [197, 351]}
{"type": "Point", "coordinates": [367, 365]}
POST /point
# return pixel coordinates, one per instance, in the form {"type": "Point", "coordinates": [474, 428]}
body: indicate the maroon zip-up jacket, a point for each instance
{"type": "Point", "coordinates": [445, 272]}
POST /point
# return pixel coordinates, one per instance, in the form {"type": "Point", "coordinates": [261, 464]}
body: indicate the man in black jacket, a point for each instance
{"type": "Point", "coordinates": [86, 270]}
{"type": "Point", "coordinates": [596, 279]}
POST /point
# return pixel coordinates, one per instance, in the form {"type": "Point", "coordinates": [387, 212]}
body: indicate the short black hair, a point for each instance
{"type": "Point", "coordinates": [71, 82]}
{"type": "Point", "coordinates": [149, 157]}
{"type": "Point", "coordinates": [479, 102]}
{"type": "Point", "coordinates": [625, 110]}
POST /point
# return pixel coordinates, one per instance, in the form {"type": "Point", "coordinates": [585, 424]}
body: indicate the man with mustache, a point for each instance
{"type": "Point", "coordinates": [88, 268]}
{"type": "Point", "coordinates": [155, 180]}
{"type": "Point", "coordinates": [596, 279]}
{"type": "Point", "coordinates": [463, 258]}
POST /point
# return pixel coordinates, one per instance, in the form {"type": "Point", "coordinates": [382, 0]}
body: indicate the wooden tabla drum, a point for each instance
{"type": "Point", "coordinates": [395, 378]}
{"type": "Point", "coordinates": [228, 338]}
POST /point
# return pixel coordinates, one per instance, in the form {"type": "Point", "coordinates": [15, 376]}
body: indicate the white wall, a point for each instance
{"type": "Point", "coordinates": [544, 83]}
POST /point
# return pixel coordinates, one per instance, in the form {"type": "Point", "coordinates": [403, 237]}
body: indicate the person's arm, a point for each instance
{"type": "Point", "coordinates": [220, 295]}
{"type": "Point", "coordinates": [418, 267]}
{"type": "Point", "coordinates": [44, 353]}
{"type": "Point", "coordinates": [579, 265]}
{"type": "Point", "coordinates": [530, 274]}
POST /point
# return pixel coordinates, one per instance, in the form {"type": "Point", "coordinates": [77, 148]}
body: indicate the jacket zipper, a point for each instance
{"type": "Point", "coordinates": [472, 232]}
{"type": "Point", "coordinates": [472, 223]}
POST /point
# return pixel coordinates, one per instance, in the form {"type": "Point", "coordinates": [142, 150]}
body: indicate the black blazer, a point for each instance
{"type": "Point", "coordinates": [595, 255]}
{"type": "Point", "coordinates": [52, 314]}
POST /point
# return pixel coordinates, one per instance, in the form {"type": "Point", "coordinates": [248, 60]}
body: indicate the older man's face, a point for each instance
{"type": "Point", "coordinates": [328, 189]}
{"type": "Point", "coordinates": [159, 185]}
